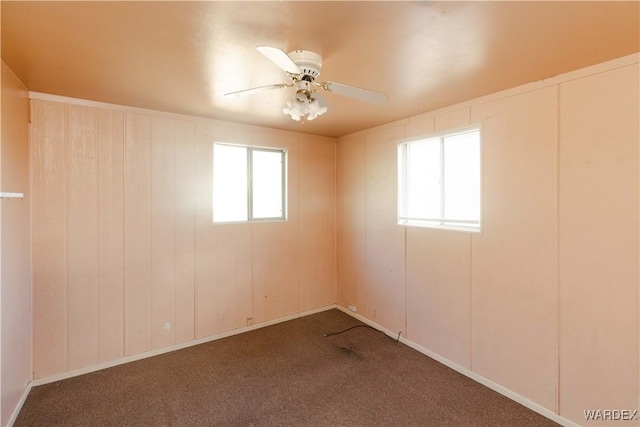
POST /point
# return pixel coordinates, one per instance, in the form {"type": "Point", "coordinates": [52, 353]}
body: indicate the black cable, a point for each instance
{"type": "Point", "coordinates": [365, 326]}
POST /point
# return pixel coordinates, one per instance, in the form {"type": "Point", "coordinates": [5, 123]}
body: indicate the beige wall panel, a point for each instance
{"type": "Point", "coordinates": [206, 309]}
{"type": "Point", "coordinates": [233, 259]}
{"type": "Point", "coordinates": [351, 232]}
{"type": "Point", "coordinates": [232, 254]}
{"type": "Point", "coordinates": [137, 234]}
{"type": "Point", "coordinates": [514, 260]}
{"type": "Point", "coordinates": [423, 124]}
{"type": "Point", "coordinates": [49, 221]}
{"type": "Point", "coordinates": [111, 235]}
{"type": "Point", "coordinates": [185, 209]}
{"type": "Point", "coordinates": [385, 278]}
{"type": "Point", "coordinates": [209, 243]}
{"type": "Point", "coordinates": [438, 270]}
{"type": "Point", "coordinates": [275, 263]}
{"type": "Point", "coordinates": [599, 332]}
{"type": "Point", "coordinates": [275, 270]}
{"type": "Point", "coordinates": [318, 222]}
{"type": "Point", "coordinates": [163, 231]}
{"type": "Point", "coordinates": [439, 292]}
{"type": "Point", "coordinates": [15, 277]}
{"type": "Point", "coordinates": [452, 120]}
{"type": "Point", "coordinates": [82, 189]}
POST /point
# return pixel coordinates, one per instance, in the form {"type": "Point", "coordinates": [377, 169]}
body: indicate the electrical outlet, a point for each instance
{"type": "Point", "coordinates": [167, 326]}
{"type": "Point", "coordinates": [353, 308]}
{"type": "Point", "coordinates": [249, 321]}
{"type": "Point", "coordinates": [375, 313]}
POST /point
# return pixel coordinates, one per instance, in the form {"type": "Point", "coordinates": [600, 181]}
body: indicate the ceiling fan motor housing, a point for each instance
{"type": "Point", "coordinates": [310, 63]}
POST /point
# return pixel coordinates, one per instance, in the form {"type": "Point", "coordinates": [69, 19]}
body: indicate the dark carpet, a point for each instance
{"type": "Point", "coordinates": [287, 374]}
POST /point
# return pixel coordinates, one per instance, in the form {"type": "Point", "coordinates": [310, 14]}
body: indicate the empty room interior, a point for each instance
{"type": "Point", "coordinates": [462, 177]}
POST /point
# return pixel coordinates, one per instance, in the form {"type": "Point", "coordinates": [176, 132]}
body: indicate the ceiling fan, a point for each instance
{"type": "Point", "coordinates": [303, 68]}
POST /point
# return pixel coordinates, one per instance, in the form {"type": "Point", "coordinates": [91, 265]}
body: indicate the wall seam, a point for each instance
{"type": "Point", "coordinates": [194, 194]}
{"type": "Point", "coordinates": [558, 247]}
{"type": "Point", "coordinates": [31, 285]}
{"type": "Point", "coordinates": [336, 223]}
{"type": "Point", "coordinates": [149, 143]}
{"type": "Point", "coordinates": [97, 201]}
{"type": "Point", "coordinates": [66, 236]}
{"type": "Point", "coordinates": [470, 284]}
{"type": "Point", "coordinates": [175, 233]}
{"type": "Point", "coordinates": [124, 245]}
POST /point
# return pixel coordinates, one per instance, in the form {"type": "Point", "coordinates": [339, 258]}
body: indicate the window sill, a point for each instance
{"type": "Point", "coordinates": [451, 227]}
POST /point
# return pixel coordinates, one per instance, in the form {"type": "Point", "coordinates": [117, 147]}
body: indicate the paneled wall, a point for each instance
{"type": "Point", "coordinates": [598, 194]}
{"type": "Point", "coordinates": [545, 300]}
{"type": "Point", "coordinates": [126, 256]}
{"type": "Point", "coordinates": [15, 250]}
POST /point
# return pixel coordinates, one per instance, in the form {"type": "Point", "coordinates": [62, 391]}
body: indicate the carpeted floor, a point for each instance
{"type": "Point", "coordinates": [286, 374]}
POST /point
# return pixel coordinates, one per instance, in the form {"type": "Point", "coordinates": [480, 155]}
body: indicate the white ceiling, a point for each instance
{"type": "Point", "coordinates": [183, 56]}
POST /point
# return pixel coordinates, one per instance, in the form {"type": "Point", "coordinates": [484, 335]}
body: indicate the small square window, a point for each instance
{"type": "Point", "coordinates": [439, 181]}
{"type": "Point", "coordinates": [249, 183]}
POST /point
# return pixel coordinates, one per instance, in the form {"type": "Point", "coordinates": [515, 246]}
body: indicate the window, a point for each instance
{"type": "Point", "coordinates": [439, 181]}
{"type": "Point", "coordinates": [249, 183]}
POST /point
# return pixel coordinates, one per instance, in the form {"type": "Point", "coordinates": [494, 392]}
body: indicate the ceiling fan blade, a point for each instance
{"type": "Point", "coordinates": [356, 92]}
{"type": "Point", "coordinates": [321, 101]}
{"type": "Point", "coordinates": [280, 58]}
{"type": "Point", "coordinates": [257, 89]}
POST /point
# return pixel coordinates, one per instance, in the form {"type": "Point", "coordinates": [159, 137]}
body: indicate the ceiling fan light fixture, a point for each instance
{"type": "Point", "coordinates": [294, 109]}
{"type": "Point", "coordinates": [304, 105]}
{"type": "Point", "coordinates": [316, 109]}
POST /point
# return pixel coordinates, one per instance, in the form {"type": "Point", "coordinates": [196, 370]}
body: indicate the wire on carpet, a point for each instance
{"type": "Point", "coordinates": [365, 326]}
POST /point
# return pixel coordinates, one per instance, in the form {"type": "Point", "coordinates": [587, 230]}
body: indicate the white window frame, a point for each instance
{"type": "Point", "coordinates": [250, 218]}
{"type": "Point", "coordinates": [441, 222]}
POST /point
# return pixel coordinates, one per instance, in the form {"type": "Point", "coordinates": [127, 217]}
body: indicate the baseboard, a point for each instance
{"type": "Point", "coordinates": [16, 410]}
{"type": "Point", "coordinates": [133, 358]}
{"type": "Point", "coordinates": [466, 372]}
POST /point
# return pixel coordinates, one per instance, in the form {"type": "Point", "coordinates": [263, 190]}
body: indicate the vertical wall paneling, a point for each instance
{"type": "Point", "coordinates": [385, 297]}
{"type": "Point", "coordinates": [16, 315]}
{"type": "Point", "coordinates": [439, 277]}
{"type": "Point", "coordinates": [317, 223]}
{"type": "Point", "coordinates": [137, 234]}
{"type": "Point", "coordinates": [185, 231]}
{"type": "Point", "coordinates": [351, 232]}
{"type": "Point", "coordinates": [599, 319]}
{"type": "Point", "coordinates": [49, 237]}
{"type": "Point", "coordinates": [163, 231]}
{"type": "Point", "coordinates": [206, 263]}
{"type": "Point", "coordinates": [223, 251]}
{"type": "Point", "coordinates": [438, 292]}
{"type": "Point", "coordinates": [514, 266]}
{"type": "Point", "coordinates": [82, 190]}
{"type": "Point", "coordinates": [147, 267]}
{"type": "Point", "coordinates": [110, 235]}
{"type": "Point", "coordinates": [234, 276]}
{"type": "Point", "coordinates": [233, 253]}
{"type": "Point", "coordinates": [275, 244]}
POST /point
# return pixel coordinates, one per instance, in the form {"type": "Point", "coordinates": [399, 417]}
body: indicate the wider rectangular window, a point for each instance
{"type": "Point", "coordinates": [439, 181]}
{"type": "Point", "coordinates": [249, 183]}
